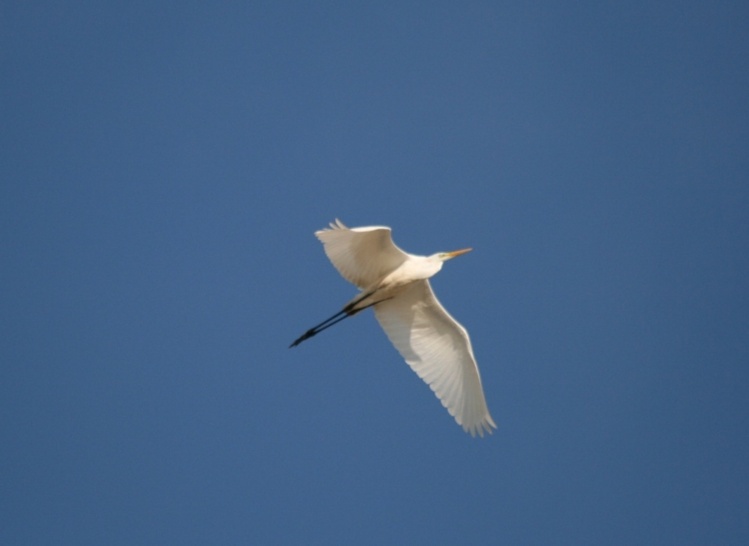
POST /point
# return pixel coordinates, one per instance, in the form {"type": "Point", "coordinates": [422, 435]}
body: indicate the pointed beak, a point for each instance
{"type": "Point", "coordinates": [455, 253]}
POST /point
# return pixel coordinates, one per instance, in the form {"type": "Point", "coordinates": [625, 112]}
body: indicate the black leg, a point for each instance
{"type": "Point", "coordinates": [346, 312]}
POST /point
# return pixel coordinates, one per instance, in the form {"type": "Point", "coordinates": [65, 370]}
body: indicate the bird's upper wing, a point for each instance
{"type": "Point", "coordinates": [363, 255]}
{"type": "Point", "coordinates": [438, 349]}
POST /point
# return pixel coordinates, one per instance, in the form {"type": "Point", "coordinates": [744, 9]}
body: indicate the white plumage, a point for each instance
{"type": "Point", "coordinates": [431, 341]}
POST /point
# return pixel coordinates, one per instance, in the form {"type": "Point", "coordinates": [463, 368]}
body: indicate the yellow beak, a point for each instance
{"type": "Point", "coordinates": [457, 252]}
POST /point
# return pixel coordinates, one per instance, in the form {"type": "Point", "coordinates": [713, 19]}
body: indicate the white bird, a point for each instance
{"type": "Point", "coordinates": [396, 284]}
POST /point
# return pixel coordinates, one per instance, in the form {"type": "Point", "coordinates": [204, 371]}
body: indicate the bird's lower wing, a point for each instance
{"type": "Point", "coordinates": [438, 349]}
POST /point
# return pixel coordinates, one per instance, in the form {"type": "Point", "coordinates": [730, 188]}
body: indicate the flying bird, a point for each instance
{"type": "Point", "coordinates": [396, 285]}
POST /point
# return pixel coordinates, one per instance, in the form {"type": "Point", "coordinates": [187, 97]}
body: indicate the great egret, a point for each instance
{"type": "Point", "coordinates": [396, 284]}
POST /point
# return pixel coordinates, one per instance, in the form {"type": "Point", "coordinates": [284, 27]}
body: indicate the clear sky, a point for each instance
{"type": "Point", "coordinates": [164, 166]}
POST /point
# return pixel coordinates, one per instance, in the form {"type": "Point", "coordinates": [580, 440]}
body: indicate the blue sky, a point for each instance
{"type": "Point", "coordinates": [164, 167]}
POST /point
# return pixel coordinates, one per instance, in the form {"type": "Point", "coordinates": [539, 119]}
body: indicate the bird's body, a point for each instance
{"type": "Point", "coordinates": [396, 285]}
{"type": "Point", "coordinates": [417, 268]}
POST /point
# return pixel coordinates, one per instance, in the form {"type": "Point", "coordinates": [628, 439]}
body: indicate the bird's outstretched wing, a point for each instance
{"type": "Point", "coordinates": [438, 349]}
{"type": "Point", "coordinates": [362, 255]}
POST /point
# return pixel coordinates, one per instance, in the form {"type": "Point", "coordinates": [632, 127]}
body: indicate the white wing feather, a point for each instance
{"type": "Point", "coordinates": [439, 350]}
{"type": "Point", "coordinates": [363, 255]}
